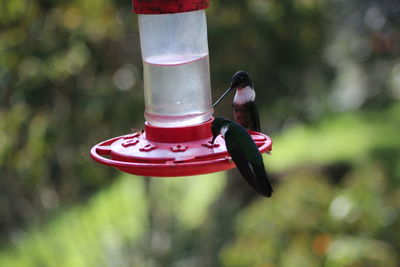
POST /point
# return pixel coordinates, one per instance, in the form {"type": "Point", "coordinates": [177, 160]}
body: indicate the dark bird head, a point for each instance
{"type": "Point", "coordinates": [240, 80]}
{"type": "Point", "coordinates": [216, 127]}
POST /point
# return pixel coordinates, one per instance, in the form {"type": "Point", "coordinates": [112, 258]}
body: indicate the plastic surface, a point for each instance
{"type": "Point", "coordinates": [167, 6]}
{"type": "Point", "coordinates": [136, 154]}
{"type": "Point", "coordinates": [178, 134]}
{"type": "Point", "coordinates": [175, 68]}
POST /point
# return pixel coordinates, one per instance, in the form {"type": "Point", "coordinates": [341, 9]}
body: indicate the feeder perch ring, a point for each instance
{"type": "Point", "coordinates": [170, 152]}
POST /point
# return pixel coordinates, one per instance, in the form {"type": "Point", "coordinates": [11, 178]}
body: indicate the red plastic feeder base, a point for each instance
{"type": "Point", "coordinates": [170, 152]}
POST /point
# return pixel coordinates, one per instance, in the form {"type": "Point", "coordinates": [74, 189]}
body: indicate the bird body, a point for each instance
{"type": "Point", "coordinates": [247, 115]}
{"type": "Point", "coordinates": [244, 153]}
{"type": "Point", "coordinates": [245, 111]}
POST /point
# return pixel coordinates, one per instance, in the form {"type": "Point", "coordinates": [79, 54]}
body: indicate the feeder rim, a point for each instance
{"type": "Point", "coordinates": [154, 7]}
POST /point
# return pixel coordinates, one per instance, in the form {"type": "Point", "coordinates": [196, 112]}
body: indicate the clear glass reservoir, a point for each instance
{"type": "Point", "coordinates": [175, 68]}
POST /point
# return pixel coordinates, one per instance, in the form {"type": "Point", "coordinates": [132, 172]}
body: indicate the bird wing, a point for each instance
{"type": "Point", "coordinates": [262, 179]}
{"type": "Point", "coordinates": [255, 117]}
{"type": "Point", "coordinates": [244, 167]}
{"type": "Point", "coordinates": [257, 165]}
{"type": "Point", "coordinates": [254, 174]}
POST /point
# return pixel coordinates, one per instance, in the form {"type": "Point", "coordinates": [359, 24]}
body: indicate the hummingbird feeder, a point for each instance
{"type": "Point", "coordinates": [176, 140]}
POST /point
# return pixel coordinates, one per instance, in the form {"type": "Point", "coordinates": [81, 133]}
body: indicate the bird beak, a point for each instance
{"type": "Point", "coordinates": [213, 139]}
{"type": "Point", "coordinates": [219, 100]}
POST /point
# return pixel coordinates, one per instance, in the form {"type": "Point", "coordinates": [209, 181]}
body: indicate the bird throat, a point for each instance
{"type": "Point", "coordinates": [244, 95]}
{"type": "Point", "coordinates": [223, 130]}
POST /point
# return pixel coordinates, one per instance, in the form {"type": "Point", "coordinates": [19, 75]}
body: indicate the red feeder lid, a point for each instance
{"type": "Point", "coordinates": [170, 152]}
{"type": "Point", "coordinates": [167, 6]}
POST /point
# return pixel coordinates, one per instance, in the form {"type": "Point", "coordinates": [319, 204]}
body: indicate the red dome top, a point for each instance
{"type": "Point", "coordinates": [167, 6]}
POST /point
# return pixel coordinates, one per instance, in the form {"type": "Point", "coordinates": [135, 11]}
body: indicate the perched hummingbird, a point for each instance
{"type": "Point", "coordinates": [245, 111]}
{"type": "Point", "coordinates": [244, 153]}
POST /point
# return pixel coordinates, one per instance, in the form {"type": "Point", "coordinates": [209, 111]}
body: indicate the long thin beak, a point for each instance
{"type": "Point", "coordinates": [219, 100]}
{"type": "Point", "coordinates": [213, 139]}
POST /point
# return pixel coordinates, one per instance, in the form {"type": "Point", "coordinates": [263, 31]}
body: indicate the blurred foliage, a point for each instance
{"type": "Point", "coordinates": [327, 81]}
{"type": "Point", "coordinates": [115, 226]}
{"type": "Point", "coordinates": [63, 68]}
{"type": "Point", "coordinates": [312, 223]}
{"type": "Point", "coordinates": [337, 203]}
{"type": "Point", "coordinates": [311, 220]}
{"type": "Point", "coordinates": [277, 42]}
{"type": "Point", "coordinates": [352, 138]}
{"type": "Point", "coordinates": [86, 235]}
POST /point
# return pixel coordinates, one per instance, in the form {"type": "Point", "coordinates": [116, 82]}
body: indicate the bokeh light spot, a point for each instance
{"type": "Point", "coordinates": [340, 207]}
{"type": "Point", "coordinates": [72, 18]}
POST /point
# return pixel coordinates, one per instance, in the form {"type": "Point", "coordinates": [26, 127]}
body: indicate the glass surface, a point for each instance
{"type": "Point", "coordinates": [177, 94]}
{"type": "Point", "coordinates": [175, 68]}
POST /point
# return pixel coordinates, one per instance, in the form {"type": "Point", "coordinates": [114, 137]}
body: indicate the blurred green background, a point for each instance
{"type": "Point", "coordinates": [327, 76]}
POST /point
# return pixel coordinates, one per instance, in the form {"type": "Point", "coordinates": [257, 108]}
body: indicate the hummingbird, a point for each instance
{"type": "Point", "coordinates": [244, 153]}
{"type": "Point", "coordinates": [245, 111]}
